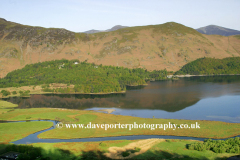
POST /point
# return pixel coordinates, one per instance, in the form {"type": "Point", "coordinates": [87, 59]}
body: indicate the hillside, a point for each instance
{"type": "Point", "coordinates": [154, 47]}
{"type": "Point", "coordinates": [209, 66]}
{"type": "Point", "coordinates": [217, 30]}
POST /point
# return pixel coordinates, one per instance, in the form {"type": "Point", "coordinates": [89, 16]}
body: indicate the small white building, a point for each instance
{"type": "Point", "coordinates": [75, 62]}
{"type": "Point", "coordinates": [61, 66]}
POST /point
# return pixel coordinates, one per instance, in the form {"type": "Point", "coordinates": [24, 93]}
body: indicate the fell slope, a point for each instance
{"type": "Point", "coordinates": [170, 45]}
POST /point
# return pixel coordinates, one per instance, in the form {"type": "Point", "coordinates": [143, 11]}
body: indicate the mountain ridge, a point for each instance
{"type": "Point", "coordinates": [154, 47]}
{"type": "Point", "coordinates": [114, 28]}
{"type": "Point", "coordinates": [209, 30]}
{"type": "Point", "coordinates": [218, 30]}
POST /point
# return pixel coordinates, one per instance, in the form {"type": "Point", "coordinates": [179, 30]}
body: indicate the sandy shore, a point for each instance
{"type": "Point", "coordinates": [106, 110]}
{"type": "Point", "coordinates": [188, 75]}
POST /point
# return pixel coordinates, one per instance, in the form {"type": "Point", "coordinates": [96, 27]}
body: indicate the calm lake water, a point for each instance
{"type": "Point", "coordinates": [196, 98]}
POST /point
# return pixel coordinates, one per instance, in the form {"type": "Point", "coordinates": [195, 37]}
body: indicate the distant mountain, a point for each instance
{"type": "Point", "coordinates": [116, 28]}
{"type": "Point", "coordinates": [213, 29]}
{"type": "Point", "coordinates": [92, 31]}
{"type": "Point", "coordinates": [108, 30]}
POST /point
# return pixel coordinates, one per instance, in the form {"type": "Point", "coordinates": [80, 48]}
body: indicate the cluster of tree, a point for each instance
{"type": "Point", "coordinates": [231, 145]}
{"type": "Point", "coordinates": [86, 77]}
{"type": "Point", "coordinates": [5, 92]}
{"type": "Point", "coordinates": [25, 93]}
{"type": "Point", "coordinates": [210, 66]}
{"type": "Point", "coordinates": [214, 79]}
{"type": "Point", "coordinates": [22, 93]}
{"type": "Point", "coordinates": [27, 152]}
{"type": "Point", "coordinates": [14, 92]}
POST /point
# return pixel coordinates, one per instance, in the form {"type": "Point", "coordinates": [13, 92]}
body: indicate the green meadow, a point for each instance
{"type": "Point", "coordinates": [15, 131]}
{"type": "Point", "coordinates": [208, 129]}
{"type": "Point", "coordinates": [176, 149]}
{"type": "Point", "coordinates": [168, 149]}
{"type": "Point", "coordinates": [5, 104]}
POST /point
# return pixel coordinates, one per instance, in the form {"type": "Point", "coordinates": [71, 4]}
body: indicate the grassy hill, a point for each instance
{"type": "Point", "coordinates": [85, 77]}
{"type": "Point", "coordinates": [154, 47]}
{"type": "Point", "coordinates": [209, 66]}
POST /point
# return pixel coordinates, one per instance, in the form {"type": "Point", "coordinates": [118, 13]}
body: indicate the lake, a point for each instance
{"type": "Point", "coordinates": [195, 98]}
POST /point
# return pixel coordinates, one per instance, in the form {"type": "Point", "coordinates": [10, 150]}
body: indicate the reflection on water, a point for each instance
{"type": "Point", "coordinates": [210, 98]}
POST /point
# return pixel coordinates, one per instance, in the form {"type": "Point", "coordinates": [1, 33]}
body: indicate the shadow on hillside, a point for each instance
{"type": "Point", "coordinates": [156, 155]}
{"type": "Point", "coordinates": [29, 152]}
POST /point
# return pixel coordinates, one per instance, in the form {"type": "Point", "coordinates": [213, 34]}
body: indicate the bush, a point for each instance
{"type": "Point", "coordinates": [102, 144]}
{"type": "Point", "coordinates": [230, 145]}
{"type": "Point", "coordinates": [191, 147]}
{"type": "Point", "coordinates": [27, 152]}
{"type": "Point", "coordinates": [5, 93]}
{"type": "Point", "coordinates": [137, 149]}
{"type": "Point", "coordinates": [14, 92]}
{"type": "Point", "coordinates": [26, 93]}
{"type": "Point", "coordinates": [125, 154]}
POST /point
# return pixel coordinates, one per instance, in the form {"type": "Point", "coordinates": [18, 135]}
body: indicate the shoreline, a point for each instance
{"type": "Point", "coordinates": [105, 110]}
{"type": "Point", "coordinates": [79, 93]}
{"type": "Point", "coordinates": [121, 92]}
{"type": "Point", "coordinates": [201, 75]}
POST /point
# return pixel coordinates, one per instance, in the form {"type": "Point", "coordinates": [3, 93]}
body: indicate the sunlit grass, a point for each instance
{"type": "Point", "coordinates": [208, 129]}
{"type": "Point", "coordinates": [176, 149]}
{"type": "Point", "coordinates": [5, 104]}
{"type": "Point", "coordinates": [15, 131]}
{"type": "Point", "coordinates": [78, 147]}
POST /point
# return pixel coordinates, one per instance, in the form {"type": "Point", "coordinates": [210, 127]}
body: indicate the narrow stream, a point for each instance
{"type": "Point", "coordinates": [32, 138]}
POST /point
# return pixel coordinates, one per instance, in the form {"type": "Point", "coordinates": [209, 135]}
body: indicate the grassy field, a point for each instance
{"type": "Point", "coordinates": [167, 149]}
{"type": "Point", "coordinates": [6, 107]}
{"type": "Point", "coordinates": [5, 104]}
{"type": "Point", "coordinates": [78, 148]}
{"type": "Point", "coordinates": [15, 131]}
{"type": "Point", "coordinates": [208, 129]}
{"type": "Point", "coordinates": [176, 149]}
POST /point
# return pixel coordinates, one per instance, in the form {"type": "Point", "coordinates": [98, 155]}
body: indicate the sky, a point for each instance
{"type": "Point", "coordinates": [83, 15]}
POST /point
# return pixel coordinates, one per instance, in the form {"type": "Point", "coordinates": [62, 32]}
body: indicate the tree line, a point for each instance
{"type": "Point", "coordinates": [210, 66]}
{"type": "Point", "coordinates": [86, 77]}
{"type": "Point", "coordinates": [231, 145]}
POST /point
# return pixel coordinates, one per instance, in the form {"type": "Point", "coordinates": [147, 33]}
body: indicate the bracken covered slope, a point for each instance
{"type": "Point", "coordinates": [154, 47]}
